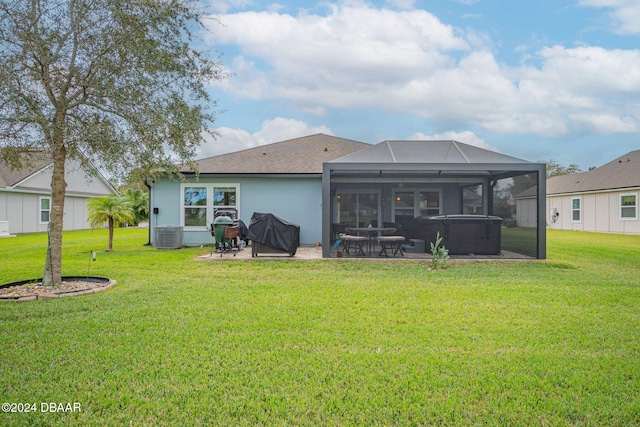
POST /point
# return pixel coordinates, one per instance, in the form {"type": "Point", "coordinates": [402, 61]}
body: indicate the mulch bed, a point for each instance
{"type": "Point", "coordinates": [34, 290]}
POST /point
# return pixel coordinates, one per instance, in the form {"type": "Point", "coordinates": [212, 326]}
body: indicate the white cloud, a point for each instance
{"type": "Point", "coordinates": [573, 84]}
{"type": "Point", "coordinates": [409, 62]}
{"type": "Point", "coordinates": [351, 47]}
{"type": "Point", "coordinates": [278, 129]}
{"type": "Point", "coordinates": [624, 14]}
{"type": "Point", "coordinates": [605, 123]}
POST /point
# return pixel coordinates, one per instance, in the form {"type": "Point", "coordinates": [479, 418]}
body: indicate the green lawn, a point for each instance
{"type": "Point", "coordinates": [180, 341]}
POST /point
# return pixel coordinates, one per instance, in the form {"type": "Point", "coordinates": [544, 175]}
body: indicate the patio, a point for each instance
{"type": "Point", "coordinates": [403, 184]}
{"type": "Point", "coordinates": [315, 253]}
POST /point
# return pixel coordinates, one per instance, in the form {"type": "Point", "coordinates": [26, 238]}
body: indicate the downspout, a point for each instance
{"type": "Point", "coordinates": [146, 184]}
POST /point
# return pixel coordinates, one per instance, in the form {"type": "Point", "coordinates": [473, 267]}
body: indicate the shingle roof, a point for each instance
{"type": "Point", "coordinates": [300, 155]}
{"type": "Point", "coordinates": [427, 152]}
{"type": "Point", "coordinates": [9, 177]}
{"type": "Point", "coordinates": [623, 172]}
{"type": "Point", "coordinates": [34, 162]}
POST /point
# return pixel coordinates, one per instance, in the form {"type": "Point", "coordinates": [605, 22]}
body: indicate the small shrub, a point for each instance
{"type": "Point", "coordinates": [440, 253]}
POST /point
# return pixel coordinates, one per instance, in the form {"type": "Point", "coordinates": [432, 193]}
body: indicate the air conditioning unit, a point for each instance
{"type": "Point", "coordinates": [168, 237]}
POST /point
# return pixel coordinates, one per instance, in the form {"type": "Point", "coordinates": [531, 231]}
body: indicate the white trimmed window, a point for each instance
{"type": "Point", "coordinates": [576, 209]}
{"type": "Point", "coordinates": [408, 204]}
{"type": "Point", "coordinates": [194, 202]}
{"type": "Point", "coordinates": [45, 209]}
{"type": "Point", "coordinates": [629, 206]}
{"type": "Point", "coordinates": [225, 197]}
{"type": "Point", "coordinates": [199, 202]}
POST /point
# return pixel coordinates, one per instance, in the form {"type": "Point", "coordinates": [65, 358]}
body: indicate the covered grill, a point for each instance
{"type": "Point", "coordinates": [225, 234]}
{"type": "Point", "coordinates": [463, 234]}
{"type": "Point", "coordinates": [270, 234]}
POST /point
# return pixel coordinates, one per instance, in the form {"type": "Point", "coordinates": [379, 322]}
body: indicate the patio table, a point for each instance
{"type": "Point", "coordinates": [371, 233]}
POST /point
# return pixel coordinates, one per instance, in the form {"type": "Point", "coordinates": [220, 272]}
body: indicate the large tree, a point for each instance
{"type": "Point", "coordinates": [117, 83]}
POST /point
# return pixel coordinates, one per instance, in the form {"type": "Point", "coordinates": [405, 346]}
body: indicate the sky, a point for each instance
{"type": "Point", "coordinates": [539, 79]}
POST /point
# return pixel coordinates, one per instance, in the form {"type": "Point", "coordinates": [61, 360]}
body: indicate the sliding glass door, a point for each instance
{"type": "Point", "coordinates": [357, 208]}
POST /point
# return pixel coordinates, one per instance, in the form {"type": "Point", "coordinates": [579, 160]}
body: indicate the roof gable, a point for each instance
{"type": "Point", "coordinates": [427, 152]}
{"type": "Point", "coordinates": [10, 177]}
{"type": "Point", "coordinates": [303, 155]}
{"type": "Point", "coordinates": [623, 172]}
{"type": "Point", "coordinates": [35, 175]}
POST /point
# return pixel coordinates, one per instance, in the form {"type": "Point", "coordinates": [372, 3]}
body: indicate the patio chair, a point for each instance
{"type": "Point", "coordinates": [336, 230]}
{"type": "Point", "coordinates": [393, 243]}
{"type": "Point", "coordinates": [357, 241]}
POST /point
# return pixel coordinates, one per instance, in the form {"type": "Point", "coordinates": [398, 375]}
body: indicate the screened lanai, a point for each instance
{"type": "Point", "coordinates": [407, 183]}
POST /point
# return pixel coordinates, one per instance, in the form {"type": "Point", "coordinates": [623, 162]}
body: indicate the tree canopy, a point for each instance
{"type": "Point", "coordinates": [119, 81]}
{"type": "Point", "coordinates": [119, 84]}
{"type": "Point", "coordinates": [554, 168]}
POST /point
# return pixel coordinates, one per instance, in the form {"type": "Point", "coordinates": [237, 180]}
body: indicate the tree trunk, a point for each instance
{"type": "Point", "coordinates": [111, 225]}
{"type": "Point", "coordinates": [53, 265]}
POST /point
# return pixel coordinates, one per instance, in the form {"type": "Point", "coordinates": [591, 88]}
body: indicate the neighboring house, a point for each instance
{"type": "Point", "coordinates": [604, 199]}
{"type": "Point", "coordinates": [527, 208]}
{"type": "Point", "coordinates": [324, 183]}
{"type": "Point", "coordinates": [25, 195]}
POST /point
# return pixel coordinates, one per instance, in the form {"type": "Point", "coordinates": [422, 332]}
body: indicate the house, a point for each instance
{"type": "Point", "coordinates": [25, 195]}
{"type": "Point", "coordinates": [526, 208]}
{"type": "Point", "coordinates": [604, 199]}
{"type": "Point", "coordinates": [323, 183]}
{"type": "Point", "coordinates": [284, 178]}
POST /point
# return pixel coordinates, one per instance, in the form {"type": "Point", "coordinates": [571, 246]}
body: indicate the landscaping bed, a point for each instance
{"type": "Point", "coordinates": [30, 290]}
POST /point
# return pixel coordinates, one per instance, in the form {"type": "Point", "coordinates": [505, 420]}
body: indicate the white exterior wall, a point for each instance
{"type": "Point", "coordinates": [22, 211]}
{"type": "Point", "coordinates": [526, 213]}
{"type": "Point", "coordinates": [78, 181]}
{"type": "Point", "coordinates": [20, 205]}
{"type": "Point", "coordinates": [600, 212]}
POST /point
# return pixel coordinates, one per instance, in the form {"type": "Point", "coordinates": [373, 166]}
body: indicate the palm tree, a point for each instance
{"type": "Point", "coordinates": [140, 203]}
{"type": "Point", "coordinates": [113, 210]}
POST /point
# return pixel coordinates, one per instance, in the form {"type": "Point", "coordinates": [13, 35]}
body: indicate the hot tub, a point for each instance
{"type": "Point", "coordinates": [462, 234]}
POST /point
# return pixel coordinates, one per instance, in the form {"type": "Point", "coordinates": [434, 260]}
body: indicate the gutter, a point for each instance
{"type": "Point", "coordinates": [607, 190]}
{"type": "Point", "coordinates": [48, 192]}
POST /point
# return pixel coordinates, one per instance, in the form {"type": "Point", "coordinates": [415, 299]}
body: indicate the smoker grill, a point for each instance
{"type": "Point", "coordinates": [463, 234]}
{"type": "Point", "coordinates": [272, 235]}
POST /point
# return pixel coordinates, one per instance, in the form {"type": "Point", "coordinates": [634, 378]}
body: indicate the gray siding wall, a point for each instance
{"type": "Point", "coordinates": [22, 211]}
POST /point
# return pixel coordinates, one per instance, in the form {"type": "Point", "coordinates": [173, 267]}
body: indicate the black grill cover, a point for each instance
{"type": "Point", "coordinates": [275, 232]}
{"type": "Point", "coordinates": [243, 231]}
